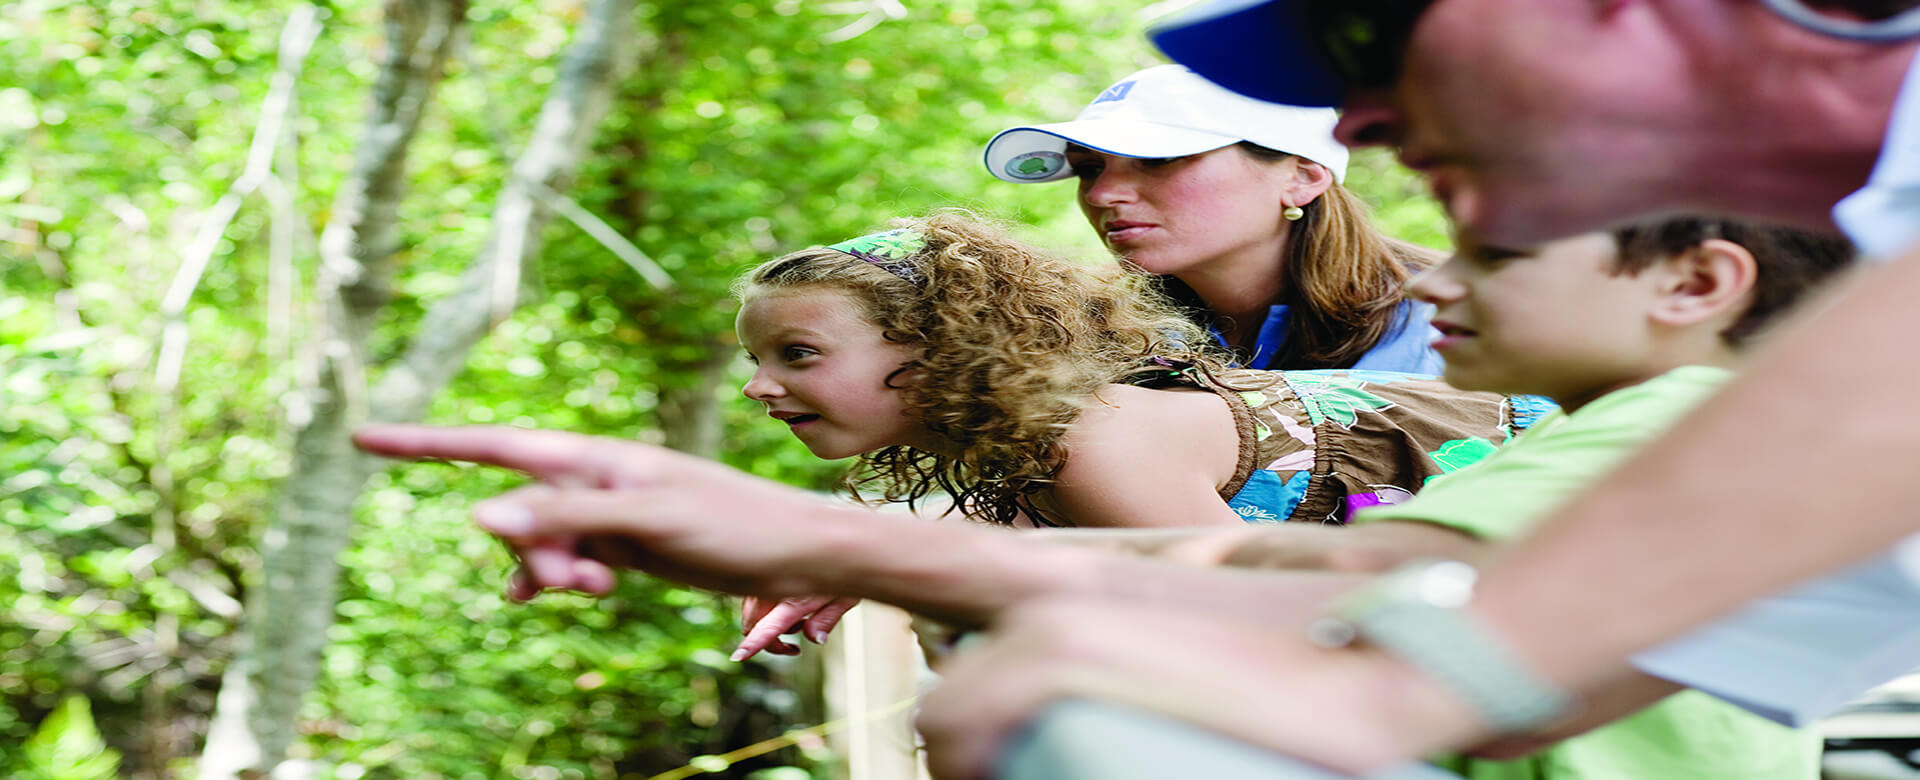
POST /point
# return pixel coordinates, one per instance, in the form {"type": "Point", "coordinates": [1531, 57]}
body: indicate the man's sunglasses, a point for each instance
{"type": "Point", "coordinates": [1860, 20]}
{"type": "Point", "coordinates": [1365, 40]}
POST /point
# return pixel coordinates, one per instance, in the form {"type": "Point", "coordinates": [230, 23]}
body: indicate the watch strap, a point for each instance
{"type": "Point", "coordinates": [1451, 647]}
{"type": "Point", "coordinates": [1417, 613]}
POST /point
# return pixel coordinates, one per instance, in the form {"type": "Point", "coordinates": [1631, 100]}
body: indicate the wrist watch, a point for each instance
{"type": "Point", "coordinates": [1417, 613]}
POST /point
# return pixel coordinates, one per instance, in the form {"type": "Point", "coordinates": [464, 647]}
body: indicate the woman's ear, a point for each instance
{"type": "Point", "coordinates": [1310, 180]}
{"type": "Point", "coordinates": [1712, 280]}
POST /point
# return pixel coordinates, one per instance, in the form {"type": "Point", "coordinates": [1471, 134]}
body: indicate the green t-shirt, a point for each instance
{"type": "Point", "coordinates": [1687, 735]}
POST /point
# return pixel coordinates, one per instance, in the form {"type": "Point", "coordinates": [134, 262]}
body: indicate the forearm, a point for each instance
{"type": "Point", "coordinates": [1613, 701]}
{"type": "Point", "coordinates": [961, 573]}
{"type": "Point", "coordinates": [968, 575]}
{"type": "Point", "coordinates": [1373, 547]}
{"type": "Point", "coordinates": [1791, 472]}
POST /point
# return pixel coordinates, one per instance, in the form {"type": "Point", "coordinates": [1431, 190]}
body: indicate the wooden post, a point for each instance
{"type": "Point", "coordinates": [873, 663]}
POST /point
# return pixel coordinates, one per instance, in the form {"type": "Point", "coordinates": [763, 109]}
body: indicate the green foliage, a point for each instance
{"type": "Point", "coordinates": [128, 510]}
{"type": "Point", "coordinates": [68, 746]}
{"type": "Point", "coordinates": [634, 683]}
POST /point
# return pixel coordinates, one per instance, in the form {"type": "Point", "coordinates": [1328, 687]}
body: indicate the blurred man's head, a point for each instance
{"type": "Point", "coordinates": [1535, 119]}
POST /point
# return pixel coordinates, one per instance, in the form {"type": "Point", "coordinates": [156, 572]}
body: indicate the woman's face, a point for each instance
{"type": "Point", "coordinates": [1177, 216]}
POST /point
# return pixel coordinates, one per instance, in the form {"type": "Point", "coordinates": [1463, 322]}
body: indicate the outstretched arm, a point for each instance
{"type": "Point", "coordinates": [1366, 548]}
{"type": "Point", "coordinates": [604, 504]}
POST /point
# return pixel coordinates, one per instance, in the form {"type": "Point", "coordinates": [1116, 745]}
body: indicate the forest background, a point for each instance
{"type": "Point", "coordinates": [232, 230]}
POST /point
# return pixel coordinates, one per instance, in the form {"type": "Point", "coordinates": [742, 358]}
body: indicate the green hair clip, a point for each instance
{"type": "Point", "coordinates": [892, 251]}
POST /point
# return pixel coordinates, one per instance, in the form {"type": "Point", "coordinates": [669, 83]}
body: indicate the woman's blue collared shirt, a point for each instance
{"type": "Point", "coordinates": [1407, 347]}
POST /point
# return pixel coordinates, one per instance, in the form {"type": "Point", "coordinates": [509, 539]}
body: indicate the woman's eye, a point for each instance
{"type": "Point", "coordinates": [1159, 162]}
{"type": "Point", "coordinates": [1087, 170]}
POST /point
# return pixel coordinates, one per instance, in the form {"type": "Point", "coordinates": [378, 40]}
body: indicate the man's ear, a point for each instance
{"type": "Point", "coordinates": [1310, 180]}
{"type": "Point", "coordinates": [1712, 280]}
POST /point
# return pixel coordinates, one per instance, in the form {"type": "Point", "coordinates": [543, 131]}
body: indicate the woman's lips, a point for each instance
{"type": "Point", "coordinates": [1120, 232]}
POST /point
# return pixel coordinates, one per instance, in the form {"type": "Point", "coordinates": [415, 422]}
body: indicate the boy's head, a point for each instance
{"type": "Point", "coordinates": [1577, 318]}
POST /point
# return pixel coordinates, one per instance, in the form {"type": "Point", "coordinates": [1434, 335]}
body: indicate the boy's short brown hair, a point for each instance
{"type": "Point", "coordinates": [1789, 262]}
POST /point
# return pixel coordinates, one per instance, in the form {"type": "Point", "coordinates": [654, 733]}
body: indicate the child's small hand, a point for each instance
{"type": "Point", "coordinates": [765, 621]}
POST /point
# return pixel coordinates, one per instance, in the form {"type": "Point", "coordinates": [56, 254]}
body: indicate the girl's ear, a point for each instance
{"type": "Point", "coordinates": [908, 374]}
{"type": "Point", "coordinates": [1714, 280]}
{"type": "Point", "coordinates": [1310, 180]}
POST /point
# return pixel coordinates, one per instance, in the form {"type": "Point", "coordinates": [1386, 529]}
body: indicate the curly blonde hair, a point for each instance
{"type": "Point", "coordinates": [1012, 342]}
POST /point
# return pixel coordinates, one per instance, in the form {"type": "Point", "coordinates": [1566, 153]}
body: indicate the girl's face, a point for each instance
{"type": "Point", "coordinates": [1183, 215]}
{"type": "Point", "coordinates": [823, 369]}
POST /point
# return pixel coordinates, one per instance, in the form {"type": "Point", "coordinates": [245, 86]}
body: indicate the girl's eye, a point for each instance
{"type": "Point", "coordinates": [797, 352]}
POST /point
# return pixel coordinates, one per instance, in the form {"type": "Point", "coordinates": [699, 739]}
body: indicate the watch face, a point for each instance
{"type": "Point", "coordinates": [1429, 583]}
{"type": "Point", "coordinates": [1447, 584]}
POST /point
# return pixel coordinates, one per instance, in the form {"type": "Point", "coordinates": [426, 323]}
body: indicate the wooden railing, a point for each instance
{"type": "Point", "coordinates": [873, 665]}
{"type": "Point", "coordinates": [1082, 740]}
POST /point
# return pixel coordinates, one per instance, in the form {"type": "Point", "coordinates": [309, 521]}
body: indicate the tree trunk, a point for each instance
{"type": "Point", "coordinates": [691, 415]}
{"type": "Point", "coordinates": [288, 612]}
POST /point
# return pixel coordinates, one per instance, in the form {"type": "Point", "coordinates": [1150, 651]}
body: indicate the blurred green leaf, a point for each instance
{"type": "Point", "coordinates": [67, 746]}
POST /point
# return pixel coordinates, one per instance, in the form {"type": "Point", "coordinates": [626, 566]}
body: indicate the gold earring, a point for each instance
{"type": "Point", "coordinates": [1293, 213]}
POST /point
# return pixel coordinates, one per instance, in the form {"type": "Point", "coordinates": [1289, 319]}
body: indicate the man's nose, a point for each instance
{"type": "Point", "coordinates": [1368, 118]}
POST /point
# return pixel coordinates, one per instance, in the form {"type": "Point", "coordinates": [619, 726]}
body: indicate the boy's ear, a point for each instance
{"type": "Point", "coordinates": [1710, 281]}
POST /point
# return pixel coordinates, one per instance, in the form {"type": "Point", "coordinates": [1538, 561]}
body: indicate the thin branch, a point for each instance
{"type": "Point", "coordinates": [872, 13]}
{"type": "Point", "coordinates": [296, 40]}
{"type": "Point", "coordinates": [604, 233]}
{"type": "Point", "coordinates": [489, 291]}
{"type": "Point", "coordinates": [588, 222]}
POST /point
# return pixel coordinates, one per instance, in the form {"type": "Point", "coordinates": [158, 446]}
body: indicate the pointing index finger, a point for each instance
{"type": "Point", "coordinates": [551, 456]}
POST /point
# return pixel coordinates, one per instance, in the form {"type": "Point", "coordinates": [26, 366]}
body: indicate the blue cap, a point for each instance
{"type": "Point", "coordinates": [1258, 48]}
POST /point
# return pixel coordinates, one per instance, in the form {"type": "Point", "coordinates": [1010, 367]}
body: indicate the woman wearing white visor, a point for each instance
{"type": "Point", "coordinates": [1238, 204]}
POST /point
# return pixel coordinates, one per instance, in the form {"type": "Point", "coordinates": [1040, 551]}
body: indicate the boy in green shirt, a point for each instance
{"type": "Point", "coordinates": [1627, 331]}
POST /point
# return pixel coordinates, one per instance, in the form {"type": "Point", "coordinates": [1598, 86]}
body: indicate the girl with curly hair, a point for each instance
{"type": "Point", "coordinates": [1035, 391]}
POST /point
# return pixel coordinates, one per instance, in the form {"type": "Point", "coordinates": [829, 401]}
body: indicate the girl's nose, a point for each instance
{"type": "Point", "coordinates": [760, 388]}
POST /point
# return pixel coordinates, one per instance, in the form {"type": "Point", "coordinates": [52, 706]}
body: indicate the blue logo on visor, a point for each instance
{"type": "Point", "coordinates": [1116, 92]}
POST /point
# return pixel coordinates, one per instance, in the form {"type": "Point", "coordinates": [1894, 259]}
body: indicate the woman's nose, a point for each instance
{"type": "Point", "coordinates": [1114, 184]}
